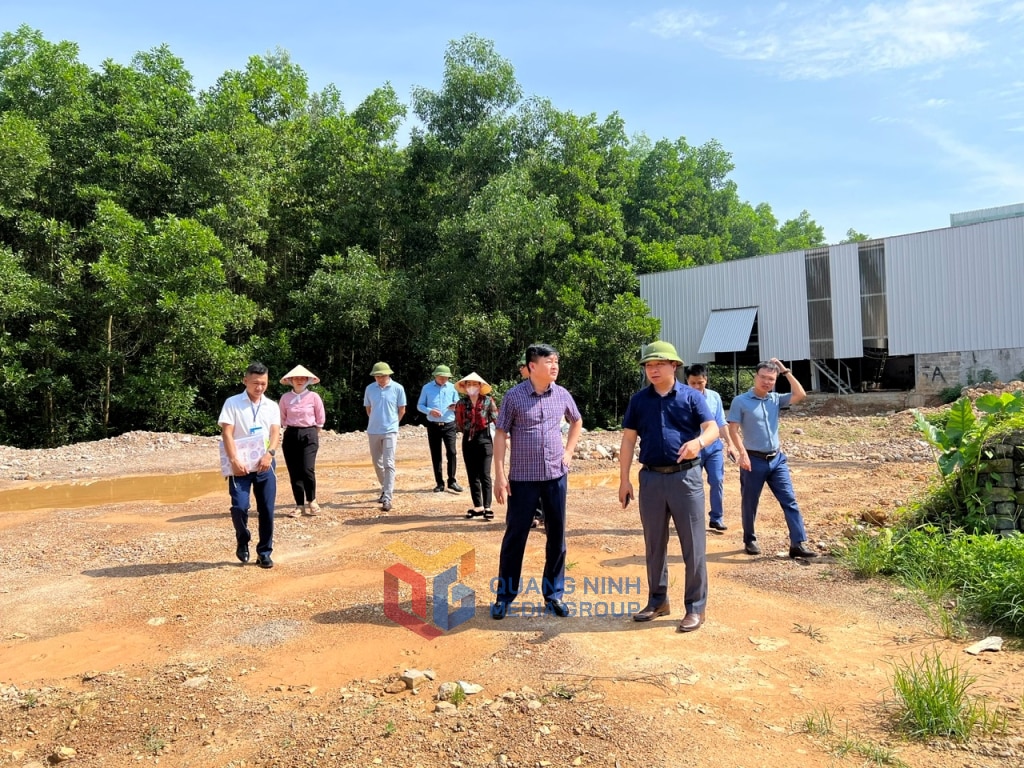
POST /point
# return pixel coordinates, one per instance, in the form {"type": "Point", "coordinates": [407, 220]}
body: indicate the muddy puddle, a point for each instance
{"type": "Point", "coordinates": [176, 489]}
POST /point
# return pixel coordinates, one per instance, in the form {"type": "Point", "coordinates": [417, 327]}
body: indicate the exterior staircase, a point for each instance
{"type": "Point", "coordinates": [835, 377]}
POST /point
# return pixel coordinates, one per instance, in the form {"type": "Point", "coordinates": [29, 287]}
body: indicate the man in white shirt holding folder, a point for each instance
{"type": "Point", "coordinates": [251, 414]}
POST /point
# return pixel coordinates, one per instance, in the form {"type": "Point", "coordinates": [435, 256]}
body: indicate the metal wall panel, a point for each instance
{"type": "Point", "coordinates": [846, 320]}
{"type": "Point", "coordinates": [956, 289]}
{"type": "Point", "coordinates": [684, 299]}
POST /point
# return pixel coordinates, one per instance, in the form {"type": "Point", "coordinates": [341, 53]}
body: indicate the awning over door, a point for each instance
{"type": "Point", "coordinates": [728, 330]}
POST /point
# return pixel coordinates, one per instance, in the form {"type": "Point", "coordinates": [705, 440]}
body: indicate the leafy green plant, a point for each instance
{"type": "Point", "coordinates": [960, 448]}
{"type": "Point", "coordinates": [30, 700]}
{"type": "Point", "coordinates": [153, 742]}
{"type": "Point", "coordinates": [933, 699]}
{"type": "Point", "coordinates": [389, 729]}
{"type": "Point", "coordinates": [458, 696]}
{"type": "Point", "coordinates": [949, 394]}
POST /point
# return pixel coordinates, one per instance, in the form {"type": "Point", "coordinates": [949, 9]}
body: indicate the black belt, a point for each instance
{"type": "Point", "coordinates": [763, 455]}
{"type": "Point", "coordinates": [671, 468]}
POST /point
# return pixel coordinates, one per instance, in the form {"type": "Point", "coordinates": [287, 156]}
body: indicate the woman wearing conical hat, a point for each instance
{"type": "Point", "coordinates": [302, 418]}
{"type": "Point", "coordinates": [474, 414]}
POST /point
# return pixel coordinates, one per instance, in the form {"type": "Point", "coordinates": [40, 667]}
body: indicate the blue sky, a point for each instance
{"type": "Point", "coordinates": [881, 116]}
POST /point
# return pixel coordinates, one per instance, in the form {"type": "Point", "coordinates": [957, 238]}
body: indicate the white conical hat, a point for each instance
{"type": "Point", "coordinates": [300, 371]}
{"type": "Point", "coordinates": [460, 385]}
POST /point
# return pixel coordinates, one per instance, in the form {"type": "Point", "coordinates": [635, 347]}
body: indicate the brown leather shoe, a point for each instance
{"type": "Point", "coordinates": [691, 622]}
{"type": "Point", "coordinates": [652, 612]}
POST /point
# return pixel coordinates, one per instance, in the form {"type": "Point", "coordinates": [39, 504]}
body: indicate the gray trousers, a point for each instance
{"type": "Point", "coordinates": [679, 496]}
{"type": "Point", "coordinates": [382, 451]}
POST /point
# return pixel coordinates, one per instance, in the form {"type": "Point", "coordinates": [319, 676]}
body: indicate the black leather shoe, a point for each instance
{"type": "Point", "coordinates": [264, 561]}
{"type": "Point", "coordinates": [242, 553]}
{"type": "Point", "coordinates": [454, 486]}
{"type": "Point", "coordinates": [652, 612]}
{"type": "Point", "coordinates": [751, 548]}
{"type": "Point", "coordinates": [557, 607]}
{"type": "Point", "coordinates": [718, 526]}
{"type": "Point", "coordinates": [488, 514]}
{"type": "Point", "coordinates": [801, 550]}
{"type": "Point", "coordinates": [438, 489]}
{"type": "Point", "coordinates": [498, 611]}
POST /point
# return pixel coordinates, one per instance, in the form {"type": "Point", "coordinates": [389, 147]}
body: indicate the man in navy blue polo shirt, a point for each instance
{"type": "Point", "coordinates": [755, 413]}
{"type": "Point", "coordinates": [673, 423]}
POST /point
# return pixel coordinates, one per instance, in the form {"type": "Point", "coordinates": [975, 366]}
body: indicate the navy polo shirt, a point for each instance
{"type": "Point", "coordinates": [665, 423]}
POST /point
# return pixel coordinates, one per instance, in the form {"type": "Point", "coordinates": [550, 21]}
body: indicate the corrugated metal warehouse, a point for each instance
{"type": "Point", "coordinates": [918, 312]}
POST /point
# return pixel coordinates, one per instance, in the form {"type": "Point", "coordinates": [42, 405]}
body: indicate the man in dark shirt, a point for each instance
{"type": "Point", "coordinates": [673, 423]}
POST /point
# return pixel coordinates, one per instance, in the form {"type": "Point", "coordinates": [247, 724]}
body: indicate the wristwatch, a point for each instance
{"type": "Point", "coordinates": [272, 451]}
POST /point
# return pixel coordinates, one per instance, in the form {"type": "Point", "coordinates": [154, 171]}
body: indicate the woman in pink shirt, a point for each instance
{"type": "Point", "coordinates": [302, 418]}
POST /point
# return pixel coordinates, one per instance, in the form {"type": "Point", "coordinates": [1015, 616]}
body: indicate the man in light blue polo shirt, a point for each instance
{"type": "Point", "coordinates": [712, 456]}
{"type": "Point", "coordinates": [755, 413]}
{"type": "Point", "coordinates": [436, 401]}
{"type": "Point", "coordinates": [385, 403]}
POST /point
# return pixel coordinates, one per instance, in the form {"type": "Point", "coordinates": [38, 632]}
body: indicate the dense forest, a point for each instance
{"type": "Point", "coordinates": [155, 238]}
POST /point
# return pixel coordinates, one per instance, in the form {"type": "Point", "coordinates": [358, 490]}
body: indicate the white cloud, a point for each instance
{"type": "Point", "coordinates": [987, 169]}
{"type": "Point", "coordinates": [937, 103]}
{"type": "Point", "coordinates": [670, 24]}
{"type": "Point", "coordinates": [823, 41]}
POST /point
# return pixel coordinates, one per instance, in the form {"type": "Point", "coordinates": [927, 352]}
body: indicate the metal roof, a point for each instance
{"type": "Point", "coordinates": [727, 330]}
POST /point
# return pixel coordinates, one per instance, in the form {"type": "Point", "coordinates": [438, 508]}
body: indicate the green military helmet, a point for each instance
{"type": "Point", "coordinates": [381, 369]}
{"type": "Point", "coordinates": [442, 370]}
{"type": "Point", "coordinates": [660, 350]}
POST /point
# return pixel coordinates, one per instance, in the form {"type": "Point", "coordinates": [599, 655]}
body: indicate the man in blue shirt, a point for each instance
{"type": "Point", "coordinates": [755, 413]}
{"type": "Point", "coordinates": [435, 403]}
{"type": "Point", "coordinates": [673, 423]}
{"type": "Point", "coordinates": [712, 457]}
{"type": "Point", "coordinates": [385, 403]}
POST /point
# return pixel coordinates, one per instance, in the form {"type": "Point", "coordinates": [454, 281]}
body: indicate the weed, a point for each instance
{"type": "Point", "coordinates": [818, 722]}
{"type": "Point", "coordinates": [458, 696]}
{"type": "Point", "coordinates": [30, 700]}
{"type": "Point", "coordinates": [933, 699]}
{"type": "Point", "coordinates": [570, 566]}
{"type": "Point", "coordinates": [369, 708]}
{"type": "Point", "coordinates": [875, 754]}
{"type": "Point", "coordinates": [562, 692]}
{"type": "Point", "coordinates": [389, 729]}
{"type": "Point", "coordinates": [867, 555]}
{"type": "Point", "coordinates": [152, 742]}
{"type": "Point", "coordinates": [811, 631]}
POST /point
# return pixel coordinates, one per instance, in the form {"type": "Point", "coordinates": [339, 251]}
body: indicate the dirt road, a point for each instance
{"type": "Point", "coordinates": [129, 633]}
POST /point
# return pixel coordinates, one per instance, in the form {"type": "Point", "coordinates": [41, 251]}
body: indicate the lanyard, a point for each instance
{"type": "Point", "coordinates": [255, 410]}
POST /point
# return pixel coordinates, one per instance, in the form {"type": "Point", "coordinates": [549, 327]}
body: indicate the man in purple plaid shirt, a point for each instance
{"type": "Point", "coordinates": [531, 416]}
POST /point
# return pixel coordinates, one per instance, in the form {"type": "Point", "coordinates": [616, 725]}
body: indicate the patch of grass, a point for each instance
{"type": "Point", "coordinates": [818, 722]}
{"type": "Point", "coordinates": [390, 729]}
{"type": "Point", "coordinates": [867, 555]}
{"type": "Point", "coordinates": [570, 566]}
{"type": "Point", "coordinates": [30, 700]}
{"type": "Point", "coordinates": [875, 754]}
{"type": "Point", "coordinates": [821, 723]}
{"type": "Point", "coordinates": [811, 631]}
{"type": "Point", "coordinates": [932, 698]}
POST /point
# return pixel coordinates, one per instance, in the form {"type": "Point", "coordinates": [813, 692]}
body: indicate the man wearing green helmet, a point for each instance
{"type": "Point", "coordinates": [673, 423]}
{"type": "Point", "coordinates": [385, 403]}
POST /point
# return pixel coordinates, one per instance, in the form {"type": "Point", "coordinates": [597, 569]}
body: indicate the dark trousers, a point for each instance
{"type": "Point", "coordinates": [522, 503]}
{"type": "Point", "coordinates": [477, 454]}
{"type": "Point", "coordinates": [438, 433]}
{"type": "Point", "coordinates": [264, 486]}
{"type": "Point", "coordinates": [300, 446]}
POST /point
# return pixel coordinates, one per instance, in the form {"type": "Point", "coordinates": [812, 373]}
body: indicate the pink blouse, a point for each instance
{"type": "Point", "coordinates": [305, 409]}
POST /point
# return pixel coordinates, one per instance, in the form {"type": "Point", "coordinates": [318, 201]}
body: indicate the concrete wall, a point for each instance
{"type": "Point", "coordinates": [937, 371]}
